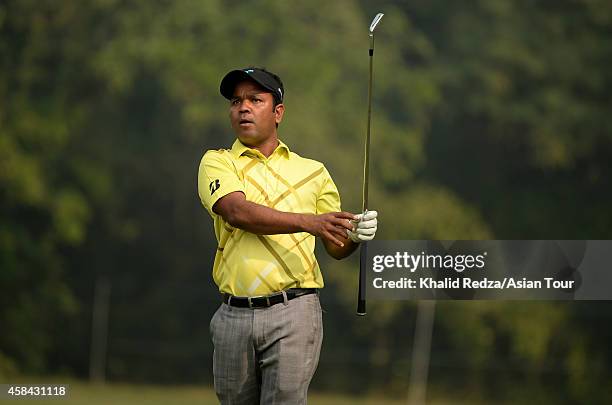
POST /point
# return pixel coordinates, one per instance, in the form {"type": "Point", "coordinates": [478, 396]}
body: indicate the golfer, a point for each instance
{"type": "Point", "coordinates": [268, 204]}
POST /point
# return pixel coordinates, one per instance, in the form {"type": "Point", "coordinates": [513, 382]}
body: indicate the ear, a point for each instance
{"type": "Point", "coordinates": [279, 110]}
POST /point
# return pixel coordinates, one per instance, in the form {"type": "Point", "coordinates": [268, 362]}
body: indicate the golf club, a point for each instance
{"type": "Point", "coordinates": [363, 252]}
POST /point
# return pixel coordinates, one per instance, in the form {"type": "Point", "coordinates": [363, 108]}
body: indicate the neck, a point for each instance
{"type": "Point", "coordinates": [268, 146]}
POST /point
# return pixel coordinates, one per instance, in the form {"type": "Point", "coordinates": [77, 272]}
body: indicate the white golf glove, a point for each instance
{"type": "Point", "coordinates": [365, 227]}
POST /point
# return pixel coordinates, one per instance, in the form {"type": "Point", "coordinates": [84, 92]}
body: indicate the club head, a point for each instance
{"type": "Point", "coordinates": [375, 22]}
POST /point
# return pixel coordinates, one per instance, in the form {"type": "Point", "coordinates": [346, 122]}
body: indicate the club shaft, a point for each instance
{"type": "Point", "coordinates": [363, 249]}
{"type": "Point", "coordinates": [366, 160]}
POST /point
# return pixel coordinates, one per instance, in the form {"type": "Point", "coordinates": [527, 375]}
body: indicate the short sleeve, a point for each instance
{"type": "Point", "coordinates": [217, 177]}
{"type": "Point", "coordinates": [328, 199]}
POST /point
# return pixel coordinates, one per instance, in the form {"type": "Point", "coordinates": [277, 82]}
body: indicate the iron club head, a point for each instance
{"type": "Point", "coordinates": [375, 22]}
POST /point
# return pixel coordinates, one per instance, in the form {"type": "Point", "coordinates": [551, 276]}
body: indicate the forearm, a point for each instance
{"type": "Point", "coordinates": [262, 220]}
{"type": "Point", "coordinates": [259, 219]}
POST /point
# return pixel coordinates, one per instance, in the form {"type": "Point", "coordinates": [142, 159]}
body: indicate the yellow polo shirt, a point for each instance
{"type": "Point", "coordinates": [247, 264]}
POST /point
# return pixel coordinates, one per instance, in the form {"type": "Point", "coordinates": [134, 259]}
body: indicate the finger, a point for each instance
{"type": "Point", "coordinates": [340, 232]}
{"type": "Point", "coordinates": [367, 224]}
{"type": "Point", "coordinates": [345, 215]}
{"type": "Point", "coordinates": [333, 239]}
{"type": "Point", "coordinates": [336, 229]}
{"type": "Point", "coordinates": [344, 223]}
{"type": "Point", "coordinates": [367, 231]}
{"type": "Point", "coordinates": [366, 238]}
{"type": "Point", "coordinates": [368, 215]}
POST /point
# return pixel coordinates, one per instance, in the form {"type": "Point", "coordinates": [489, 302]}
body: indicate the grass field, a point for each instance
{"type": "Point", "coordinates": [92, 394]}
{"type": "Point", "coordinates": [84, 393]}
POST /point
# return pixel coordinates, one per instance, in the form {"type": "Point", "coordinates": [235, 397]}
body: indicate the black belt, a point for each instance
{"type": "Point", "coordinates": [265, 301]}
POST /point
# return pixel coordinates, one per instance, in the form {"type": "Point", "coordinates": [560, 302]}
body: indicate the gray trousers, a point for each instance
{"type": "Point", "coordinates": [269, 355]}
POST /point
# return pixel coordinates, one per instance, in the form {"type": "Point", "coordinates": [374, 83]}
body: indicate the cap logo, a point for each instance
{"type": "Point", "coordinates": [280, 91]}
{"type": "Point", "coordinates": [249, 71]}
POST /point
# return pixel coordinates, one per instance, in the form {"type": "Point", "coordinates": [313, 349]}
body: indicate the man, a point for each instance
{"type": "Point", "coordinates": [268, 204]}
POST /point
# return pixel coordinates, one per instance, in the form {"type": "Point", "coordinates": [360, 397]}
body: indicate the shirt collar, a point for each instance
{"type": "Point", "coordinates": [239, 149]}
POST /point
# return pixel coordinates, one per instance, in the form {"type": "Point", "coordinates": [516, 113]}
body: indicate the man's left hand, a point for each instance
{"type": "Point", "coordinates": [365, 227]}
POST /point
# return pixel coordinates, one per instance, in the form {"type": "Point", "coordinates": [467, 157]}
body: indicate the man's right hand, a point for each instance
{"type": "Point", "coordinates": [331, 226]}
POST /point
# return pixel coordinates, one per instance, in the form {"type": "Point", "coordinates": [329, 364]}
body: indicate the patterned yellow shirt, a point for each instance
{"type": "Point", "coordinates": [247, 264]}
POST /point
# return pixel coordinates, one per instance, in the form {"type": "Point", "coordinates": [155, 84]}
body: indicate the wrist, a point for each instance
{"type": "Point", "coordinates": [304, 222]}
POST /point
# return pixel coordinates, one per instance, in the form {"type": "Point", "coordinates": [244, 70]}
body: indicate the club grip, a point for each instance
{"type": "Point", "coordinates": [361, 298]}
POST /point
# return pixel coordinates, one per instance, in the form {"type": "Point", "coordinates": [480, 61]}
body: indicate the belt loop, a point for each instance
{"type": "Point", "coordinates": [285, 299]}
{"type": "Point", "coordinates": [250, 302]}
{"type": "Point", "coordinates": [229, 301]}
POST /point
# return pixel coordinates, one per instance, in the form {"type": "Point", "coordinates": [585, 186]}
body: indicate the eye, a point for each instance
{"type": "Point", "coordinates": [257, 100]}
{"type": "Point", "coordinates": [234, 101]}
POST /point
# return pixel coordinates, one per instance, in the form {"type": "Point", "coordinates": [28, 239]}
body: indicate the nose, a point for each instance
{"type": "Point", "coordinates": [245, 106]}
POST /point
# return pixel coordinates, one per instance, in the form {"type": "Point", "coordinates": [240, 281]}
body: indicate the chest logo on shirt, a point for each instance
{"type": "Point", "coordinates": [214, 186]}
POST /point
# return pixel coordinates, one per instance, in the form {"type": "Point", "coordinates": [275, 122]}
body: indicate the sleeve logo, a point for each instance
{"type": "Point", "coordinates": [214, 186]}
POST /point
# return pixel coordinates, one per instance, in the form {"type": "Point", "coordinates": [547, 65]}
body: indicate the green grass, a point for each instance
{"type": "Point", "coordinates": [82, 392]}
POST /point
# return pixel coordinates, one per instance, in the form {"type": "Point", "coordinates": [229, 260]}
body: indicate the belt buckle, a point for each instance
{"type": "Point", "coordinates": [249, 299]}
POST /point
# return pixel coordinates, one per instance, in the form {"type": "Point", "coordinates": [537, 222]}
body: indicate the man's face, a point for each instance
{"type": "Point", "coordinates": [252, 113]}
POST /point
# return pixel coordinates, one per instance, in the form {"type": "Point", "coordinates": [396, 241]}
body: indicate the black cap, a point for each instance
{"type": "Point", "coordinates": [265, 79]}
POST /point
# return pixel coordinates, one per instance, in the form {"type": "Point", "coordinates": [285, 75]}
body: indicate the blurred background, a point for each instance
{"type": "Point", "coordinates": [490, 121]}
